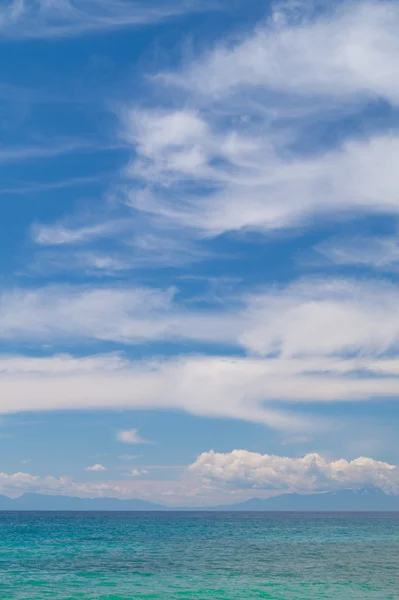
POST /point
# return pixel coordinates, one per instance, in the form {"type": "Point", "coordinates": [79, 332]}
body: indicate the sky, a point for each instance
{"type": "Point", "coordinates": [199, 250]}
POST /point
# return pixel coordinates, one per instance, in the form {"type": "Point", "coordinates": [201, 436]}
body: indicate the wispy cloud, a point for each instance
{"type": "Point", "coordinates": [36, 152]}
{"type": "Point", "coordinates": [310, 317]}
{"type": "Point", "coordinates": [246, 183]}
{"type": "Point", "coordinates": [59, 234]}
{"type": "Point", "coordinates": [225, 149]}
{"type": "Point", "coordinates": [263, 390]}
{"type": "Point", "coordinates": [378, 252]}
{"type": "Point", "coordinates": [129, 456]}
{"type": "Point", "coordinates": [44, 186]}
{"type": "Point", "coordinates": [339, 52]}
{"type": "Point", "coordinates": [64, 18]}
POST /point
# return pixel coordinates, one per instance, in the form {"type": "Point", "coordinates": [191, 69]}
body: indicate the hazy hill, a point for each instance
{"type": "Point", "coordinates": [367, 499]}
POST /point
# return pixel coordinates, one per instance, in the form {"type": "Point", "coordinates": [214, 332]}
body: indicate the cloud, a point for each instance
{"type": "Point", "coordinates": [67, 312]}
{"type": "Point", "coordinates": [244, 182]}
{"type": "Point", "coordinates": [64, 18]}
{"type": "Point", "coordinates": [59, 234]}
{"type": "Point", "coordinates": [131, 436]}
{"type": "Point", "coordinates": [138, 472]}
{"type": "Point", "coordinates": [380, 253]}
{"type": "Point", "coordinates": [309, 317]}
{"type": "Point", "coordinates": [131, 244]}
{"type": "Point", "coordinates": [229, 148]}
{"type": "Point", "coordinates": [28, 152]}
{"type": "Point", "coordinates": [342, 52]}
{"type": "Point", "coordinates": [220, 478]}
{"type": "Point", "coordinates": [118, 313]}
{"type": "Point", "coordinates": [96, 468]}
{"type": "Point", "coordinates": [323, 317]}
{"type": "Point", "coordinates": [16, 483]}
{"type": "Point", "coordinates": [263, 390]}
{"type": "Point", "coordinates": [129, 456]}
{"type": "Point", "coordinates": [311, 473]}
{"type": "Point", "coordinates": [72, 182]}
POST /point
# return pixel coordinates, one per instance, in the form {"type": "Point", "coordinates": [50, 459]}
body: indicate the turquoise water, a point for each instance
{"type": "Point", "coordinates": [198, 555]}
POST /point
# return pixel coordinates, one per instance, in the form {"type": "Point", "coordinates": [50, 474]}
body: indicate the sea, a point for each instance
{"type": "Point", "coordinates": [115, 556]}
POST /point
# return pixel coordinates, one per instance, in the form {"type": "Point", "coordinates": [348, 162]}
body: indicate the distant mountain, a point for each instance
{"type": "Point", "coordinates": [64, 503]}
{"type": "Point", "coordinates": [367, 499]}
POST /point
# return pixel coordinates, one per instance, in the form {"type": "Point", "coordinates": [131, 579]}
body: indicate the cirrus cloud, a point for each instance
{"type": "Point", "coordinates": [30, 19]}
{"type": "Point", "coordinates": [232, 153]}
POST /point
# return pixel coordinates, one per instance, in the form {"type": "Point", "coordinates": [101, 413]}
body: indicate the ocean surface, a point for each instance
{"type": "Point", "coordinates": [204, 556]}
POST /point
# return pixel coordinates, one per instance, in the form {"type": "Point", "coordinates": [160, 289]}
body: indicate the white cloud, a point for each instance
{"type": "Point", "coordinates": [62, 18]}
{"type": "Point", "coordinates": [131, 436]}
{"type": "Point", "coordinates": [138, 472]}
{"type": "Point", "coordinates": [97, 467]}
{"type": "Point", "coordinates": [230, 156]}
{"type": "Point", "coordinates": [323, 317]}
{"type": "Point", "coordinates": [347, 51]}
{"type": "Point", "coordinates": [174, 493]}
{"type": "Point", "coordinates": [122, 314]}
{"type": "Point", "coordinates": [244, 181]}
{"type": "Point", "coordinates": [64, 312]}
{"type": "Point", "coordinates": [311, 473]}
{"type": "Point", "coordinates": [268, 391]}
{"type": "Point", "coordinates": [223, 150]}
{"type": "Point", "coordinates": [16, 483]}
{"type": "Point", "coordinates": [310, 317]}
{"type": "Point", "coordinates": [221, 478]}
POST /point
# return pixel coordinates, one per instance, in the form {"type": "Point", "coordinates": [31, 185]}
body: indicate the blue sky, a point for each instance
{"type": "Point", "coordinates": [199, 249]}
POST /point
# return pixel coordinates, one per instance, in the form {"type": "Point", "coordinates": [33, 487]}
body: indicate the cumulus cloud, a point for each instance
{"type": "Point", "coordinates": [17, 483]}
{"type": "Point", "coordinates": [310, 473]}
{"type": "Point", "coordinates": [97, 468]}
{"type": "Point", "coordinates": [131, 436]}
{"type": "Point", "coordinates": [215, 478]}
{"type": "Point", "coordinates": [138, 472]}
